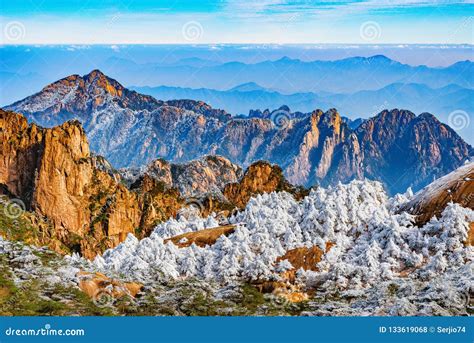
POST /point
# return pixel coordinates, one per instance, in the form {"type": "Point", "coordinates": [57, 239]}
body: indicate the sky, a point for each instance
{"type": "Point", "coordinates": [237, 21]}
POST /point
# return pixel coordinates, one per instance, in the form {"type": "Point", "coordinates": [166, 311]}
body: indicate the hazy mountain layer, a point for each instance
{"type": "Point", "coordinates": [289, 75]}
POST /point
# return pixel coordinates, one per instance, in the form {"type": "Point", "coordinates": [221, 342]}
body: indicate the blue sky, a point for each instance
{"type": "Point", "coordinates": [238, 21]}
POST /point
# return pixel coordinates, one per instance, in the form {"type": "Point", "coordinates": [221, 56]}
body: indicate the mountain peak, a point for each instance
{"type": "Point", "coordinates": [284, 108]}
{"type": "Point", "coordinates": [72, 97]}
{"type": "Point", "coordinates": [94, 74]}
{"type": "Point", "coordinates": [287, 59]}
{"type": "Point", "coordinates": [379, 58]}
{"type": "Point", "coordinates": [332, 114]}
{"type": "Point", "coordinates": [395, 115]}
{"type": "Point", "coordinates": [247, 87]}
{"type": "Point", "coordinates": [462, 64]}
{"type": "Point", "coordinates": [100, 80]}
{"type": "Point", "coordinates": [428, 116]}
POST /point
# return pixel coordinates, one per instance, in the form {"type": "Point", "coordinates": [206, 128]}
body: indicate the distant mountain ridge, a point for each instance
{"type": "Point", "coordinates": [240, 99]}
{"type": "Point", "coordinates": [417, 97]}
{"type": "Point", "coordinates": [396, 147]}
{"type": "Point", "coordinates": [288, 75]}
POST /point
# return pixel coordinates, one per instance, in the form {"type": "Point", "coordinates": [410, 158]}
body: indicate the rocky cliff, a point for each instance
{"type": "Point", "coordinates": [207, 175]}
{"type": "Point", "coordinates": [53, 173]}
{"type": "Point", "coordinates": [404, 150]}
{"type": "Point", "coordinates": [395, 147]}
{"type": "Point", "coordinates": [213, 183]}
{"type": "Point", "coordinates": [261, 177]}
{"type": "Point", "coordinates": [457, 187]}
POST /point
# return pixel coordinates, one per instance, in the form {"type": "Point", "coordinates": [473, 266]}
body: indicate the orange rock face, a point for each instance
{"type": "Point", "coordinates": [54, 174]}
{"type": "Point", "coordinates": [457, 187]}
{"type": "Point", "coordinates": [292, 294]}
{"type": "Point", "coordinates": [305, 258]}
{"type": "Point", "coordinates": [470, 237]}
{"type": "Point", "coordinates": [260, 177]}
{"type": "Point", "coordinates": [97, 284]}
{"type": "Point", "coordinates": [202, 237]}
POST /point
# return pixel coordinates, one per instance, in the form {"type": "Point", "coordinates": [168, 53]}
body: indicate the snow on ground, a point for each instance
{"type": "Point", "coordinates": [25, 263]}
{"type": "Point", "coordinates": [373, 244]}
{"type": "Point", "coordinates": [444, 295]}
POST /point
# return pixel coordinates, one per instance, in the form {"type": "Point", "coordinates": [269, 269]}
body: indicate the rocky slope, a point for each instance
{"type": "Point", "coordinates": [404, 150]}
{"type": "Point", "coordinates": [261, 177]}
{"type": "Point", "coordinates": [207, 175]}
{"type": "Point", "coordinates": [395, 147]}
{"type": "Point", "coordinates": [214, 183]}
{"type": "Point", "coordinates": [52, 172]}
{"type": "Point", "coordinates": [457, 186]}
